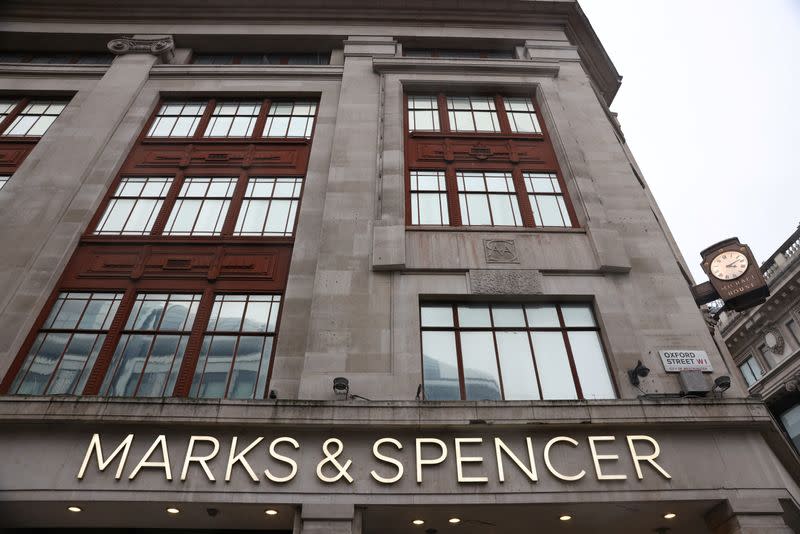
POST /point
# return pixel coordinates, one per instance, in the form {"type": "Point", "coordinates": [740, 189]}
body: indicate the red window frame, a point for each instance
{"type": "Point", "coordinates": [208, 265]}
{"type": "Point", "coordinates": [503, 151]}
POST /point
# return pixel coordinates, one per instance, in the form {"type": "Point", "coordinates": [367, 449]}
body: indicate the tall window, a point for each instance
{"type": "Point", "coordinates": [512, 352]}
{"type": "Point", "coordinates": [494, 164]}
{"type": "Point", "coordinates": [794, 332]}
{"type": "Point", "coordinates": [429, 198]}
{"type": "Point", "coordinates": [290, 119]}
{"type": "Point", "coordinates": [269, 207]}
{"type": "Point", "coordinates": [751, 370]}
{"type": "Point", "coordinates": [133, 208]}
{"type": "Point", "coordinates": [177, 119]}
{"type": "Point", "coordinates": [201, 206]}
{"type": "Point", "coordinates": [237, 347]}
{"type": "Point", "coordinates": [546, 199]}
{"type": "Point", "coordinates": [233, 119]}
{"type": "Point", "coordinates": [67, 345]}
{"type": "Point", "coordinates": [423, 113]}
{"type": "Point", "coordinates": [150, 350]}
{"type": "Point", "coordinates": [472, 114]}
{"type": "Point", "coordinates": [34, 119]}
{"type": "Point", "coordinates": [488, 198]}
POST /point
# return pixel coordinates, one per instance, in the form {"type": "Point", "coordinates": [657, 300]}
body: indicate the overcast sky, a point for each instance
{"type": "Point", "coordinates": [709, 107]}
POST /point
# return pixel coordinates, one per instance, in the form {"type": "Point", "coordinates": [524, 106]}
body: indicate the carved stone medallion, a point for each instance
{"type": "Point", "coordinates": [500, 251]}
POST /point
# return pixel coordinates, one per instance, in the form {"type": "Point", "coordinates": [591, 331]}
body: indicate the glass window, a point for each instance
{"type": "Point", "coordinates": [66, 347]}
{"type": "Point", "coordinates": [177, 119]}
{"type": "Point", "coordinates": [513, 352]}
{"type": "Point", "coordinates": [4, 179]}
{"type": "Point", "coordinates": [233, 119]}
{"type": "Point", "coordinates": [546, 198]}
{"type": "Point", "coordinates": [791, 422]}
{"type": "Point", "coordinates": [423, 113]}
{"type": "Point", "coordinates": [290, 119]}
{"type": "Point", "coordinates": [237, 347]}
{"type": "Point", "coordinates": [6, 107]}
{"type": "Point", "coordinates": [794, 331]}
{"type": "Point", "coordinates": [429, 198]}
{"type": "Point", "coordinates": [36, 118]}
{"type": "Point", "coordinates": [269, 207]}
{"type": "Point", "coordinates": [134, 207]}
{"type": "Point", "coordinates": [472, 114]}
{"type": "Point", "coordinates": [488, 198]}
{"type": "Point", "coordinates": [522, 115]}
{"type": "Point", "coordinates": [751, 370]}
{"type": "Point", "coordinates": [150, 351]}
{"type": "Point", "coordinates": [201, 206]}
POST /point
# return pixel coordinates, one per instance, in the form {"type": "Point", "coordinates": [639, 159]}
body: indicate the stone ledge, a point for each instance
{"type": "Point", "coordinates": [483, 66]}
{"type": "Point", "coordinates": [673, 413]}
{"type": "Point", "coordinates": [305, 71]}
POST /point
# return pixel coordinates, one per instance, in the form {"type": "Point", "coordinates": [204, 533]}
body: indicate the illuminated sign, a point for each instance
{"type": "Point", "coordinates": [332, 464]}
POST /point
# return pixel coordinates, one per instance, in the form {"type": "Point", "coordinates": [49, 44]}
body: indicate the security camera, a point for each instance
{"type": "Point", "coordinates": [341, 385]}
{"type": "Point", "coordinates": [212, 512]}
{"type": "Point", "coordinates": [640, 371]}
{"type": "Point", "coordinates": [722, 383]}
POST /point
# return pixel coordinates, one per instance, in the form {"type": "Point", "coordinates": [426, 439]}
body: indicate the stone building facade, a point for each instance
{"type": "Point", "coordinates": [347, 267]}
{"type": "Point", "coordinates": [765, 341]}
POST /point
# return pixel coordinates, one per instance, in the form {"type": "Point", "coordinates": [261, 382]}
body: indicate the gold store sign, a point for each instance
{"type": "Point", "coordinates": [333, 465]}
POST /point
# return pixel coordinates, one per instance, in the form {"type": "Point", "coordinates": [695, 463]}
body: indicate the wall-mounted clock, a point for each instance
{"type": "Point", "coordinates": [734, 276]}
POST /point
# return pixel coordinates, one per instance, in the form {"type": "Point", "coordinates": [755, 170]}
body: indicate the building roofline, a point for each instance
{"type": "Point", "coordinates": [161, 16]}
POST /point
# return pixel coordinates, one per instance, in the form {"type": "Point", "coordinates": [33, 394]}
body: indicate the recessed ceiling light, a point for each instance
{"type": "Point", "coordinates": [418, 522]}
{"type": "Point", "coordinates": [75, 509]}
{"type": "Point", "coordinates": [454, 520]}
{"type": "Point", "coordinates": [670, 516]}
{"type": "Point", "coordinates": [271, 512]}
{"type": "Point", "coordinates": [173, 511]}
{"type": "Point", "coordinates": [565, 517]}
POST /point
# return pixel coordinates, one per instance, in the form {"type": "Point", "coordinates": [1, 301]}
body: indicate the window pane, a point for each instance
{"type": "Point", "coordinates": [440, 366]}
{"type": "Point", "coordinates": [553, 364]}
{"type": "Point", "coordinates": [521, 115]}
{"type": "Point", "coordinates": [516, 364]}
{"type": "Point", "coordinates": [247, 354]}
{"type": "Point", "coordinates": [590, 361]}
{"type": "Point", "coordinates": [42, 363]}
{"type": "Point", "coordinates": [481, 380]}
{"type": "Point", "coordinates": [233, 119]}
{"type": "Point", "coordinates": [290, 119]}
{"type": "Point", "coordinates": [35, 118]}
{"type": "Point", "coordinates": [269, 207]}
{"type": "Point", "coordinates": [791, 422]}
{"type": "Point", "coordinates": [578, 315]}
{"type": "Point", "coordinates": [433, 315]}
{"type": "Point", "coordinates": [201, 206]}
{"type": "Point", "coordinates": [134, 207]}
{"type": "Point", "coordinates": [476, 315]}
{"type": "Point", "coordinates": [508, 315]}
{"type": "Point", "coordinates": [547, 211]}
{"type": "Point", "coordinates": [748, 375]}
{"type": "Point", "coordinates": [428, 208]}
{"type": "Point", "coordinates": [177, 119]}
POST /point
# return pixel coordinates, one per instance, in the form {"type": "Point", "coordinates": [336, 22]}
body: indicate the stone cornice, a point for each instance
{"type": "Point", "coordinates": [167, 16]}
{"type": "Point", "coordinates": [52, 71]}
{"type": "Point", "coordinates": [629, 412]}
{"type": "Point", "coordinates": [246, 71]}
{"type": "Point", "coordinates": [492, 67]}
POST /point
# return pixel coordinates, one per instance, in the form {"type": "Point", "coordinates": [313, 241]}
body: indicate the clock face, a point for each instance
{"type": "Point", "coordinates": [729, 265]}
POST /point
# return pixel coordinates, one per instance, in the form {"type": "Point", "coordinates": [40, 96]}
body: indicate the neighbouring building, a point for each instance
{"type": "Point", "coordinates": [350, 267]}
{"type": "Point", "coordinates": [765, 341]}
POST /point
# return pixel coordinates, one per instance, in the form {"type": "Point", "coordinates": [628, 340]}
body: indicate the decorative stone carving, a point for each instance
{"type": "Point", "coordinates": [505, 281]}
{"type": "Point", "coordinates": [774, 340]}
{"type": "Point", "coordinates": [500, 251]}
{"type": "Point", "coordinates": [163, 46]}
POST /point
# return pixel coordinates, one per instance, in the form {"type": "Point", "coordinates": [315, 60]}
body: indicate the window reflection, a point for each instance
{"type": "Point", "coordinates": [512, 352]}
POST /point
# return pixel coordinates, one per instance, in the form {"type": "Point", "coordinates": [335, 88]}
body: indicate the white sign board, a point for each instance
{"type": "Point", "coordinates": [685, 360]}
